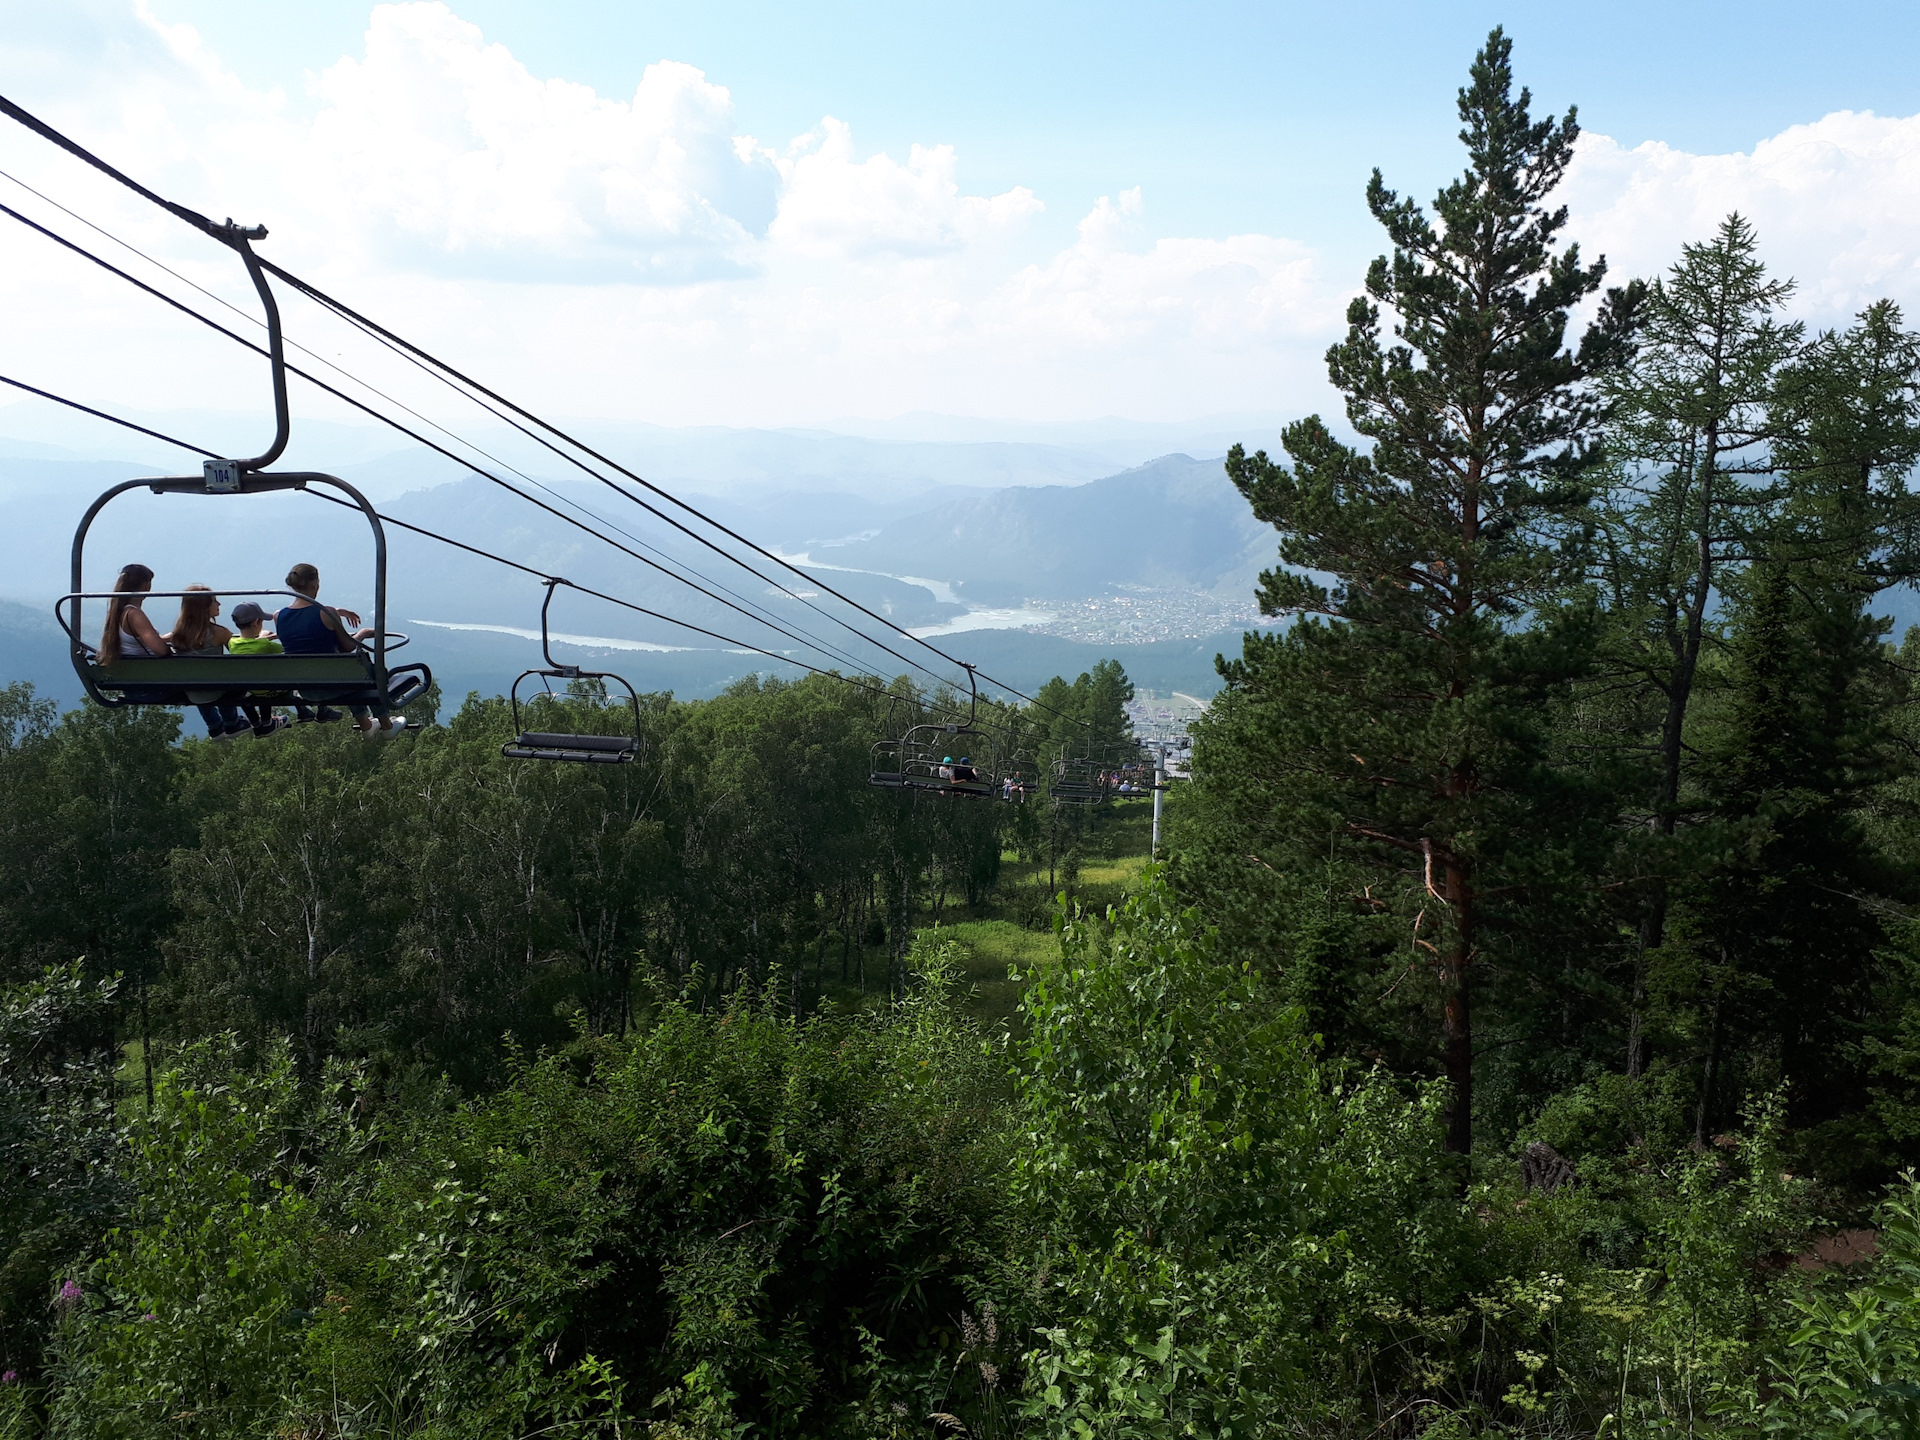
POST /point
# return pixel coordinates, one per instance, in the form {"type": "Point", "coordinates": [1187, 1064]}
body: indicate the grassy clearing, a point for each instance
{"type": "Point", "coordinates": [1013, 927]}
{"type": "Point", "coordinates": [993, 948]}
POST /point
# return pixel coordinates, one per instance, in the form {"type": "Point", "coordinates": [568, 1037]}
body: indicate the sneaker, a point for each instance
{"type": "Point", "coordinates": [225, 734]}
{"type": "Point", "coordinates": [327, 714]}
{"type": "Point", "coordinates": [271, 727]}
{"type": "Point", "coordinates": [393, 725]}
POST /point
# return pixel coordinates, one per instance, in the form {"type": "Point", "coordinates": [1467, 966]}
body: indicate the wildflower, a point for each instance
{"type": "Point", "coordinates": [9, 1378]}
{"type": "Point", "coordinates": [68, 1297]}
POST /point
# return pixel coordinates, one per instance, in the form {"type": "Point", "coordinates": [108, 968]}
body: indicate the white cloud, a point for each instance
{"type": "Point", "coordinates": [630, 256]}
{"type": "Point", "coordinates": [458, 149]}
{"type": "Point", "coordinates": [1242, 292]}
{"type": "Point", "coordinates": [837, 206]}
{"type": "Point", "coordinates": [1836, 204]}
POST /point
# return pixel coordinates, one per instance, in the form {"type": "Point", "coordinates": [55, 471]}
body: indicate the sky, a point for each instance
{"type": "Point", "coordinates": [755, 214]}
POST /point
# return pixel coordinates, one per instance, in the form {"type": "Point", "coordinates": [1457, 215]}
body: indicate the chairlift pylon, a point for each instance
{"type": "Point", "coordinates": [360, 676]}
{"type": "Point", "coordinates": [554, 745]}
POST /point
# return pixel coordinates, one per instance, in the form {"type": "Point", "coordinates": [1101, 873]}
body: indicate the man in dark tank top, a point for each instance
{"type": "Point", "coordinates": [306, 627]}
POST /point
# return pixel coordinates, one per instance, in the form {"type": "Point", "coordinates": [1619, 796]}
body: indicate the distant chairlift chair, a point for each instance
{"type": "Point", "coordinates": [551, 745]}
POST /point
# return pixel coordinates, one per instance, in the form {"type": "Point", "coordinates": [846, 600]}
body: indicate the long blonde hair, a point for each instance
{"type": "Point", "coordinates": [190, 631]}
{"type": "Point", "coordinates": [134, 579]}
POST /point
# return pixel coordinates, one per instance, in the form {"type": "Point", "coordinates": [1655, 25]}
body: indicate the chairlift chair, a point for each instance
{"type": "Point", "coordinates": [573, 748]}
{"type": "Point", "coordinates": [1019, 777]}
{"type": "Point", "coordinates": [1077, 780]}
{"type": "Point", "coordinates": [1085, 779]}
{"type": "Point", "coordinates": [1131, 769]}
{"type": "Point", "coordinates": [927, 756]}
{"type": "Point", "coordinates": [360, 676]}
{"type": "Point", "coordinates": [883, 763]}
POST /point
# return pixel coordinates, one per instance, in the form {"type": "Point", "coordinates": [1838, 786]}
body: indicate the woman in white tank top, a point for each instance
{"type": "Point", "coordinates": [128, 631]}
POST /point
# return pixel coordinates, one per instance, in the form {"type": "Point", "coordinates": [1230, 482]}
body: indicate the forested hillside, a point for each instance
{"type": "Point", "coordinates": [1521, 1036]}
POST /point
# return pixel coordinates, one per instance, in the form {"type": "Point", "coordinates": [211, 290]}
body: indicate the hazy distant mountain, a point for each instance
{"type": "Point", "coordinates": [1174, 523]}
{"type": "Point", "coordinates": [33, 648]}
{"type": "Point", "coordinates": [899, 508]}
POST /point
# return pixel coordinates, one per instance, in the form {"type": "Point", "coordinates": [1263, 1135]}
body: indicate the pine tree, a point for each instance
{"type": "Point", "coordinates": [1692, 440]}
{"type": "Point", "coordinates": [1403, 713]}
{"type": "Point", "coordinates": [1786, 922]}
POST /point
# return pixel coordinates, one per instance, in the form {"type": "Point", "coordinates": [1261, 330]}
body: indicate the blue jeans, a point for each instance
{"type": "Point", "coordinates": [221, 717]}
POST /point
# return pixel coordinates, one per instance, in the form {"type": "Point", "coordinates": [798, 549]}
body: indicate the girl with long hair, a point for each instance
{"type": "Point", "coordinates": [128, 631]}
{"type": "Point", "coordinates": [197, 631]}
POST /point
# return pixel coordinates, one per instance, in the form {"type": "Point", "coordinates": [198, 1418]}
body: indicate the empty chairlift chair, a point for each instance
{"type": "Point", "coordinates": [568, 747]}
{"type": "Point", "coordinates": [1077, 780]}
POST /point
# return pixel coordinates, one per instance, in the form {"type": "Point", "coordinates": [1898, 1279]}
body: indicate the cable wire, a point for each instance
{"type": "Point", "coordinates": [414, 435]}
{"type": "Point", "coordinates": [541, 575]}
{"type": "Point", "coordinates": [545, 578]}
{"type": "Point", "coordinates": [102, 415]}
{"type": "Point", "coordinates": [480, 450]}
{"type": "Point", "coordinates": [208, 227]}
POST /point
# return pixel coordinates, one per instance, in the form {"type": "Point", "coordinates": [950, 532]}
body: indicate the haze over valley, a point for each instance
{"type": "Point", "coordinates": [1032, 555]}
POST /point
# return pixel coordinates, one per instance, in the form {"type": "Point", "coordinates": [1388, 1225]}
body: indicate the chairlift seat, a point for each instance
{"type": "Point", "coordinates": [579, 749]}
{"type": "Point", "coordinates": [975, 789]}
{"type": "Point", "coordinates": [187, 679]}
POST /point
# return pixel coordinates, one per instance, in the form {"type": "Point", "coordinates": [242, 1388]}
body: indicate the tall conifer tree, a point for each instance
{"type": "Point", "coordinates": [1692, 438]}
{"type": "Point", "coordinates": [1403, 713]}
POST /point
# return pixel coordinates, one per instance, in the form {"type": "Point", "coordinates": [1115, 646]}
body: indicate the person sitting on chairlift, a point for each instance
{"type": "Point", "coordinates": [306, 627]}
{"type": "Point", "coordinates": [251, 641]}
{"type": "Point", "coordinates": [129, 632]}
{"type": "Point", "coordinates": [197, 631]}
{"type": "Point", "coordinates": [964, 773]}
{"type": "Point", "coordinates": [946, 768]}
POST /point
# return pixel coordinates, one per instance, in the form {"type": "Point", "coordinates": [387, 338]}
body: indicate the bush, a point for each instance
{"type": "Point", "coordinates": [1852, 1368]}
{"type": "Point", "coordinates": [1233, 1230]}
{"type": "Point", "coordinates": [189, 1324]}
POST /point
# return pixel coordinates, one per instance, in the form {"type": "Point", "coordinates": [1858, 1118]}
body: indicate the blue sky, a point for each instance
{"type": "Point", "coordinates": [1234, 116]}
{"type": "Point", "coordinates": [749, 213]}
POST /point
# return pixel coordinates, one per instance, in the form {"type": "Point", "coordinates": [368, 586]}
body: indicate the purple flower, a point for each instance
{"type": "Point", "coordinates": [68, 1297]}
{"type": "Point", "coordinates": [8, 1378]}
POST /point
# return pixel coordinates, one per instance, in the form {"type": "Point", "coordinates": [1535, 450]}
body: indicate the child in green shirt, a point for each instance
{"type": "Point", "coordinates": [250, 618]}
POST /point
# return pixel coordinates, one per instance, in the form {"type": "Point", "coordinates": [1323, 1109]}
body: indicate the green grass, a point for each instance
{"type": "Point", "coordinates": [993, 947]}
{"type": "Point", "coordinates": [1012, 928]}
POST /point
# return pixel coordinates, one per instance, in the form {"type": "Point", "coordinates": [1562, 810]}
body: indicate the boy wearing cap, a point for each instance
{"type": "Point", "coordinates": [250, 617]}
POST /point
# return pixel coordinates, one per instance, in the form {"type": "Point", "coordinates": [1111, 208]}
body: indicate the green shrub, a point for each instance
{"type": "Point", "coordinates": [1232, 1230]}
{"type": "Point", "coordinates": [189, 1324]}
{"type": "Point", "coordinates": [1852, 1368]}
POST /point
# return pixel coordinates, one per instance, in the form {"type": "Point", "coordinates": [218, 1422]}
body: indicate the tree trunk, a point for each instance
{"type": "Point", "coordinates": [146, 1038]}
{"type": "Point", "coordinates": [1672, 736]}
{"type": "Point", "coordinates": [1713, 1062]}
{"type": "Point", "coordinates": [1456, 979]}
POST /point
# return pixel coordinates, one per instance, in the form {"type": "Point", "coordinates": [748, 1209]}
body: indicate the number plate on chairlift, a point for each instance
{"type": "Point", "coordinates": [223, 477]}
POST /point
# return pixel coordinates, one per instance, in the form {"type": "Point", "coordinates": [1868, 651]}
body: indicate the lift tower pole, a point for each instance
{"type": "Point", "coordinates": [1159, 789]}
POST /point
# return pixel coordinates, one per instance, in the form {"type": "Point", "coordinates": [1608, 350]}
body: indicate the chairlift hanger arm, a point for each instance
{"type": "Point", "coordinates": [241, 240]}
